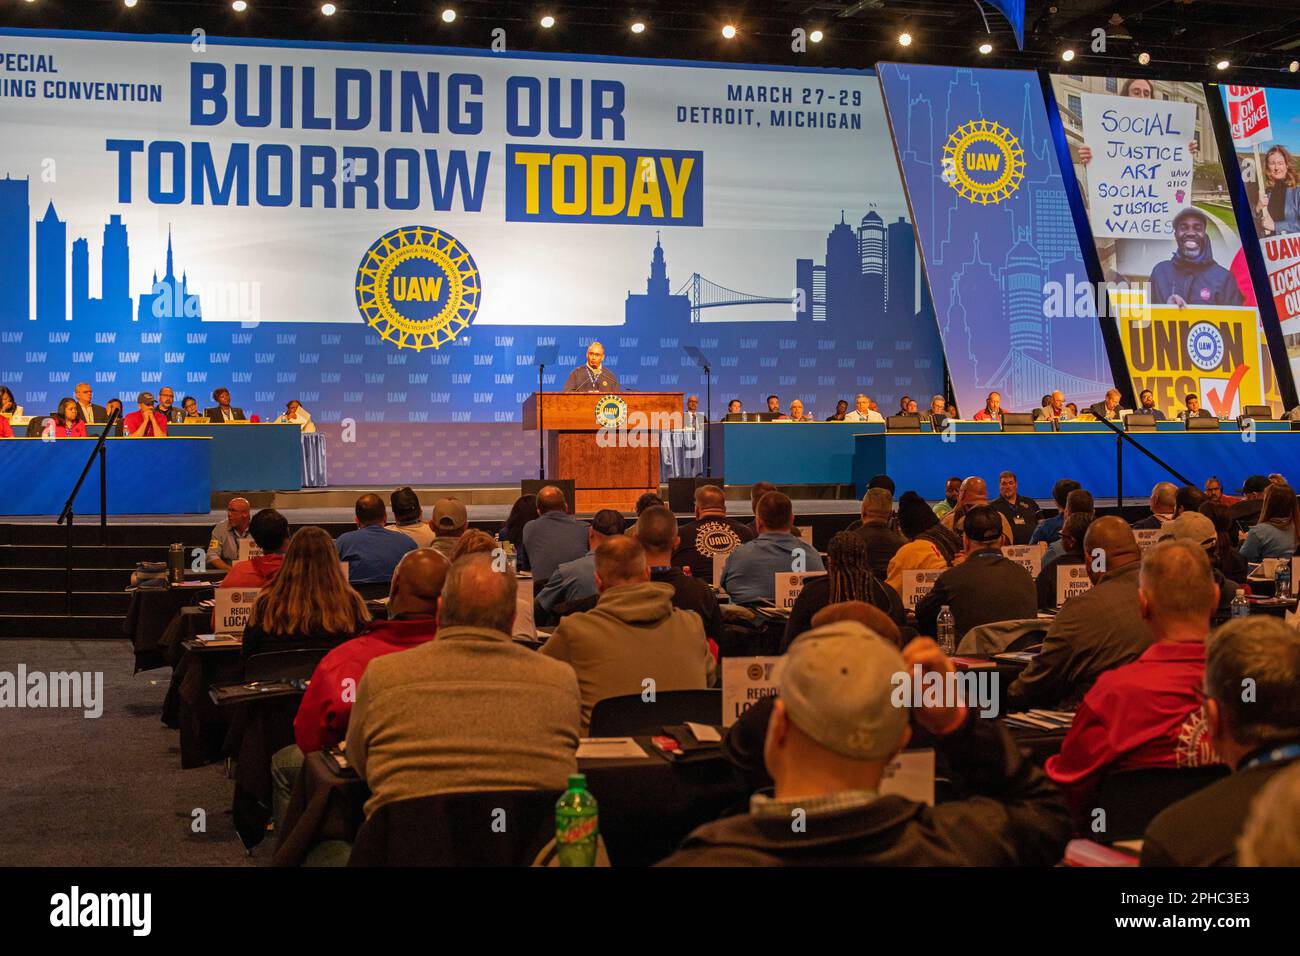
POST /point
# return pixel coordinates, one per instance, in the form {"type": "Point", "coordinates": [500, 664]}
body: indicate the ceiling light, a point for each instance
{"type": "Point", "coordinates": [329, 9]}
{"type": "Point", "coordinates": [449, 15]}
{"type": "Point", "coordinates": [1067, 55]}
{"type": "Point", "coordinates": [1222, 65]}
{"type": "Point", "coordinates": [986, 48]}
{"type": "Point", "coordinates": [1144, 58]}
{"type": "Point", "coordinates": [638, 27]}
{"type": "Point", "coordinates": [548, 21]}
{"type": "Point", "coordinates": [816, 36]}
{"type": "Point", "coordinates": [905, 39]}
{"type": "Point", "coordinates": [729, 31]}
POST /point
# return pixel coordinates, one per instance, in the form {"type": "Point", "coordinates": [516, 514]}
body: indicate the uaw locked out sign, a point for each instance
{"type": "Point", "coordinates": [745, 681]}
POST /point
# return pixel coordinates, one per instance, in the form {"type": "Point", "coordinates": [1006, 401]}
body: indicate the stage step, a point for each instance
{"type": "Point", "coordinates": [46, 603]}
{"type": "Point", "coordinates": [80, 627]}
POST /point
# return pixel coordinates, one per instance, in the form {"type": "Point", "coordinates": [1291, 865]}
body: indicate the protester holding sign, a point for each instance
{"type": "Point", "coordinates": [1278, 208]}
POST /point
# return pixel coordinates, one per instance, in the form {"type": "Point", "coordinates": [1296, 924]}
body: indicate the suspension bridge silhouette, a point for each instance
{"type": "Point", "coordinates": [707, 294]}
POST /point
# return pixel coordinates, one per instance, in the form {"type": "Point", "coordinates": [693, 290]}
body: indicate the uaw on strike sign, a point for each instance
{"type": "Point", "coordinates": [1248, 115]}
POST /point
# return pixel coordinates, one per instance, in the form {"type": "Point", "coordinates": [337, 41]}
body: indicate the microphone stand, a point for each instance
{"type": "Point", "coordinates": [541, 426]}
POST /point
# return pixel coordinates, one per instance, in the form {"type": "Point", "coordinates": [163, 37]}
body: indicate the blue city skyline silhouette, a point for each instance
{"type": "Point", "coordinates": [857, 325]}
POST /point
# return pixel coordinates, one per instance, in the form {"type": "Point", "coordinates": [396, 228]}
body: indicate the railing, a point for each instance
{"type": "Point", "coordinates": [67, 515]}
{"type": "Point", "coordinates": [1122, 436]}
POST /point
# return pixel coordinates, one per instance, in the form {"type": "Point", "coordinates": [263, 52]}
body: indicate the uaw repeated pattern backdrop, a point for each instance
{"type": "Point", "coordinates": [394, 236]}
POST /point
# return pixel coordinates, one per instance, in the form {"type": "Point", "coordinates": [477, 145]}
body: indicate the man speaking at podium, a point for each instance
{"type": "Point", "coordinates": [592, 377]}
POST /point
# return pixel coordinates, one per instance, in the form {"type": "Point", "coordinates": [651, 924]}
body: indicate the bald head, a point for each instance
{"type": "Point", "coordinates": [620, 560]}
{"type": "Point", "coordinates": [477, 595]}
{"type": "Point", "coordinates": [370, 510]}
{"type": "Point", "coordinates": [551, 498]}
{"type": "Point", "coordinates": [708, 499]}
{"type": "Point", "coordinates": [417, 584]}
{"type": "Point", "coordinates": [1111, 540]}
{"type": "Point", "coordinates": [974, 491]}
{"type": "Point", "coordinates": [1164, 497]}
{"type": "Point", "coordinates": [1176, 586]}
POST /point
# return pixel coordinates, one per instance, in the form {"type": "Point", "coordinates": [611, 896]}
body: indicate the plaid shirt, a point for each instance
{"type": "Point", "coordinates": [761, 805]}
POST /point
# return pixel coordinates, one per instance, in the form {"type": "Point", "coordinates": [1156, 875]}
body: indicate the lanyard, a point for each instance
{"type": "Point", "coordinates": [1276, 755]}
{"type": "Point", "coordinates": [595, 379]}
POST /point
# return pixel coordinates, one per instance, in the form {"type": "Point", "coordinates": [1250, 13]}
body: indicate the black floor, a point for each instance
{"type": "Point", "coordinates": [108, 791]}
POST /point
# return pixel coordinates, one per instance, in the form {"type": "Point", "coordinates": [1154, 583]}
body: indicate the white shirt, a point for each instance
{"type": "Point", "coordinates": [869, 416]}
{"type": "Point", "coordinates": [693, 420]}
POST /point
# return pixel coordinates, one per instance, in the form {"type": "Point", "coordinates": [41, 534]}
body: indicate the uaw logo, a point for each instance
{"type": "Point", "coordinates": [418, 287]}
{"type": "Point", "coordinates": [983, 161]}
{"type": "Point", "coordinates": [1205, 346]}
{"type": "Point", "coordinates": [611, 412]}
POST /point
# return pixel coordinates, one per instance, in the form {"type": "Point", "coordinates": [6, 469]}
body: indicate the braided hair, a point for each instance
{"type": "Point", "coordinates": [849, 573]}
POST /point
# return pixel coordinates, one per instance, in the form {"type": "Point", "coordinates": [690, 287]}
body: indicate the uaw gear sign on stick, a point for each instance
{"type": "Point", "coordinates": [1248, 115]}
{"type": "Point", "coordinates": [1140, 175]}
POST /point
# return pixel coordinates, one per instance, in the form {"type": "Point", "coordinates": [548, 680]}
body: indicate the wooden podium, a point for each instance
{"type": "Point", "coordinates": [603, 477]}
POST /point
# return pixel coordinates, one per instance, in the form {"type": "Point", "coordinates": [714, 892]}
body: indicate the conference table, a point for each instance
{"type": "Point", "coordinates": [842, 453]}
{"type": "Point", "coordinates": [142, 475]}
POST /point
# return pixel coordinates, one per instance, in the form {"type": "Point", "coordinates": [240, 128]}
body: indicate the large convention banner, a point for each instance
{"type": "Point", "coordinates": [1176, 281]}
{"type": "Point", "coordinates": [1265, 124]}
{"type": "Point", "coordinates": [400, 234]}
{"type": "Point", "coordinates": [997, 237]}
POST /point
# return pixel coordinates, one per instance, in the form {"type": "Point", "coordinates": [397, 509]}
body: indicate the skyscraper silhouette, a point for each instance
{"type": "Point", "coordinates": [115, 266]}
{"type": "Point", "coordinates": [843, 273]}
{"type": "Point", "coordinates": [51, 268]}
{"type": "Point", "coordinates": [901, 299]}
{"type": "Point", "coordinates": [15, 250]}
{"type": "Point", "coordinates": [82, 308]}
{"type": "Point", "coordinates": [875, 265]}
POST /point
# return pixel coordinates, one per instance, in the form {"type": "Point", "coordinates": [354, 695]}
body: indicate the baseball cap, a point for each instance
{"type": "Point", "coordinates": [878, 501]}
{"type": "Point", "coordinates": [982, 524]}
{"type": "Point", "coordinates": [449, 514]}
{"type": "Point", "coordinates": [1193, 526]}
{"type": "Point", "coordinates": [608, 522]}
{"type": "Point", "coordinates": [836, 684]}
{"type": "Point", "coordinates": [1254, 485]}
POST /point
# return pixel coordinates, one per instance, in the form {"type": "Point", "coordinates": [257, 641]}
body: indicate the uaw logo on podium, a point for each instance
{"type": "Point", "coordinates": [418, 287]}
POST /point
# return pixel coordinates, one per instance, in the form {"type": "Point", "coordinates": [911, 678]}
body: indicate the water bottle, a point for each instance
{"type": "Point", "coordinates": [577, 824]}
{"type": "Point", "coordinates": [947, 631]}
{"type": "Point", "coordinates": [176, 563]}
{"type": "Point", "coordinates": [1240, 607]}
{"type": "Point", "coordinates": [1283, 579]}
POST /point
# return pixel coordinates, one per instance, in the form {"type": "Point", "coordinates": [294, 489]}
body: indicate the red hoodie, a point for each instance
{"type": "Point", "coordinates": [322, 719]}
{"type": "Point", "coordinates": [1143, 714]}
{"type": "Point", "coordinates": [256, 572]}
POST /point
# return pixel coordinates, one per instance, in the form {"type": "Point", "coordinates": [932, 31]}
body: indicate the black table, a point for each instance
{"type": "Point", "coordinates": [149, 615]}
{"type": "Point", "coordinates": [647, 805]}
{"type": "Point", "coordinates": [188, 706]}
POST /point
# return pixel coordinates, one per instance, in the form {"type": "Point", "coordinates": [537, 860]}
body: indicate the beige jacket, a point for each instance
{"type": "Point", "coordinates": [469, 710]}
{"type": "Point", "coordinates": [633, 634]}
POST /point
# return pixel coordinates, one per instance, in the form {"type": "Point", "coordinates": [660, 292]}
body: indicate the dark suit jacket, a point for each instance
{"type": "Point", "coordinates": [173, 415]}
{"type": "Point", "coordinates": [1202, 830]}
{"type": "Point", "coordinates": [984, 588]}
{"type": "Point", "coordinates": [100, 413]}
{"type": "Point", "coordinates": [214, 414]}
{"type": "Point", "coordinates": [579, 380]}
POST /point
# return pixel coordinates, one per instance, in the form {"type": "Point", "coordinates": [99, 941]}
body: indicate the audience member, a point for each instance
{"type": "Point", "coordinates": [1071, 542]}
{"type": "Point", "coordinates": [223, 545]}
{"type": "Point", "coordinates": [974, 493]}
{"type": "Point", "coordinates": [656, 530]}
{"type": "Point", "coordinates": [848, 578]}
{"type": "Point", "coordinates": [309, 603]}
{"type": "Point", "coordinates": [522, 511]}
{"type": "Point", "coordinates": [647, 500]}
{"type": "Point", "coordinates": [1246, 511]}
{"type": "Point", "coordinates": [1093, 632]}
{"type": "Point", "coordinates": [1268, 837]}
{"type": "Point", "coordinates": [1226, 556]}
{"type": "Point", "coordinates": [469, 710]}
{"type": "Point", "coordinates": [1256, 734]}
{"type": "Point", "coordinates": [554, 537]}
{"type": "Point", "coordinates": [408, 518]}
{"type": "Point", "coordinates": [951, 488]}
{"type": "Point", "coordinates": [372, 551]}
{"type": "Point", "coordinates": [1021, 512]}
{"type": "Point", "coordinates": [882, 540]}
{"type": "Point", "coordinates": [749, 575]}
{"type": "Point", "coordinates": [474, 541]}
{"type": "Point", "coordinates": [1077, 502]}
{"type": "Point", "coordinates": [985, 587]}
{"type": "Point", "coordinates": [711, 535]}
{"type": "Point", "coordinates": [756, 492]}
{"type": "Point", "coordinates": [1164, 505]}
{"type": "Point", "coordinates": [1199, 530]}
{"type": "Point", "coordinates": [834, 729]}
{"type": "Point", "coordinates": [1147, 713]}
{"type": "Point", "coordinates": [1274, 536]}
{"type": "Point", "coordinates": [450, 519]}
{"type": "Point", "coordinates": [576, 579]}
{"type": "Point", "coordinates": [270, 532]}
{"type": "Point", "coordinates": [1188, 498]}
{"type": "Point", "coordinates": [930, 545]}
{"type": "Point", "coordinates": [634, 633]}
{"type": "Point", "coordinates": [1049, 529]}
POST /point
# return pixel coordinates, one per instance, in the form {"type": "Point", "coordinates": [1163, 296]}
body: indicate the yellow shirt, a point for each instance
{"type": "Point", "coordinates": [913, 556]}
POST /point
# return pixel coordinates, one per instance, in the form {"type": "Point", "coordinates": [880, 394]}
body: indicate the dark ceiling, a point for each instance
{"type": "Point", "coordinates": [1183, 37]}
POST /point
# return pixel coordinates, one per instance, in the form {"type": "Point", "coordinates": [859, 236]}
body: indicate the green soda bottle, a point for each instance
{"type": "Point", "coordinates": [577, 824]}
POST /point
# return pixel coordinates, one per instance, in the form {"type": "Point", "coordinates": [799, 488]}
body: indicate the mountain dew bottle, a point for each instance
{"type": "Point", "coordinates": [577, 824]}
